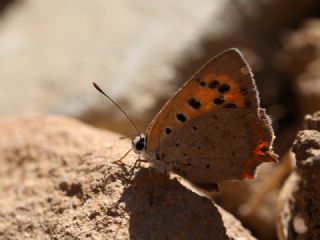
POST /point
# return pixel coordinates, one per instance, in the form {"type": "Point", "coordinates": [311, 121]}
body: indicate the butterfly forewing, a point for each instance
{"type": "Point", "coordinates": [198, 124]}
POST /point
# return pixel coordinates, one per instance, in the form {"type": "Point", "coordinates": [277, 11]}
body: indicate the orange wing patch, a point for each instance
{"type": "Point", "coordinates": [261, 153]}
{"type": "Point", "coordinates": [209, 93]}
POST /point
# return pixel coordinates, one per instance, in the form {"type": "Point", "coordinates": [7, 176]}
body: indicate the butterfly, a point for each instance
{"type": "Point", "coordinates": [212, 129]}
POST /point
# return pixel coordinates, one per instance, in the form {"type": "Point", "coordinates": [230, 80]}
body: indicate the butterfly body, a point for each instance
{"type": "Point", "coordinates": [212, 129]}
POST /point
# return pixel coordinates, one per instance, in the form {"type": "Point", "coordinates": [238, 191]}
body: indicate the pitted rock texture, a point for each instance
{"type": "Point", "coordinates": [301, 199]}
{"type": "Point", "coordinates": [61, 179]}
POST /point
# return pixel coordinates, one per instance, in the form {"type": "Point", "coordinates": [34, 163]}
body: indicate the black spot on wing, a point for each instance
{"type": "Point", "coordinates": [219, 100]}
{"type": "Point", "coordinates": [224, 88]}
{"type": "Point", "coordinates": [181, 117]}
{"type": "Point", "coordinates": [214, 84]}
{"type": "Point", "coordinates": [202, 83]}
{"type": "Point", "coordinates": [168, 131]}
{"type": "Point", "coordinates": [194, 103]}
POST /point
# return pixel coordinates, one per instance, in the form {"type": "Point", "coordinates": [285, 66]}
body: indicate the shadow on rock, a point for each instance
{"type": "Point", "coordinates": [160, 208]}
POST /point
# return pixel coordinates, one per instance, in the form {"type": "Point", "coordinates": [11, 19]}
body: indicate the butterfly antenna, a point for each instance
{"type": "Point", "coordinates": [117, 105]}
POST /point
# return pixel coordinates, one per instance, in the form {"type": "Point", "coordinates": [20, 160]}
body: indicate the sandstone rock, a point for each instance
{"type": "Point", "coordinates": [300, 202]}
{"type": "Point", "coordinates": [61, 179]}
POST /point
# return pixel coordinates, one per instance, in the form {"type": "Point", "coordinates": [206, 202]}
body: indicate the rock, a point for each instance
{"type": "Point", "coordinates": [61, 179]}
{"type": "Point", "coordinates": [312, 122]}
{"type": "Point", "coordinates": [300, 202]}
{"type": "Point", "coordinates": [307, 150]}
{"type": "Point", "coordinates": [285, 209]}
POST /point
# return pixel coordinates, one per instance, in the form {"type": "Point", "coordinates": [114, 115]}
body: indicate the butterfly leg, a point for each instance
{"type": "Point", "coordinates": [135, 165]}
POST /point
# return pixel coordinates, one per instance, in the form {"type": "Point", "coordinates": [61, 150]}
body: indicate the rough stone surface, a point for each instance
{"type": "Point", "coordinates": [307, 144]}
{"type": "Point", "coordinates": [300, 201]}
{"type": "Point", "coordinates": [286, 210]}
{"type": "Point", "coordinates": [307, 150]}
{"type": "Point", "coordinates": [61, 179]}
{"type": "Point", "coordinates": [312, 122]}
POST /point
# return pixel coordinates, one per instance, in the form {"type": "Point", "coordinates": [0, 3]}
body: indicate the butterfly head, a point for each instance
{"type": "Point", "coordinates": [139, 143]}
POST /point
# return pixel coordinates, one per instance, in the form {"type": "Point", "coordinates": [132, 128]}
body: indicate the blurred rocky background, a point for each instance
{"type": "Point", "coordinates": [140, 52]}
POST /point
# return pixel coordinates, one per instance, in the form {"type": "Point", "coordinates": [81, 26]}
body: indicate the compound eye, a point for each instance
{"type": "Point", "coordinates": [140, 144]}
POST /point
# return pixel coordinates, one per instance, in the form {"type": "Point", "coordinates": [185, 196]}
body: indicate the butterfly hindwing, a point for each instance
{"type": "Point", "coordinates": [222, 145]}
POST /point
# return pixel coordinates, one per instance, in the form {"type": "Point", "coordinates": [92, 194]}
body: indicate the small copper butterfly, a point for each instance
{"type": "Point", "coordinates": [212, 129]}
